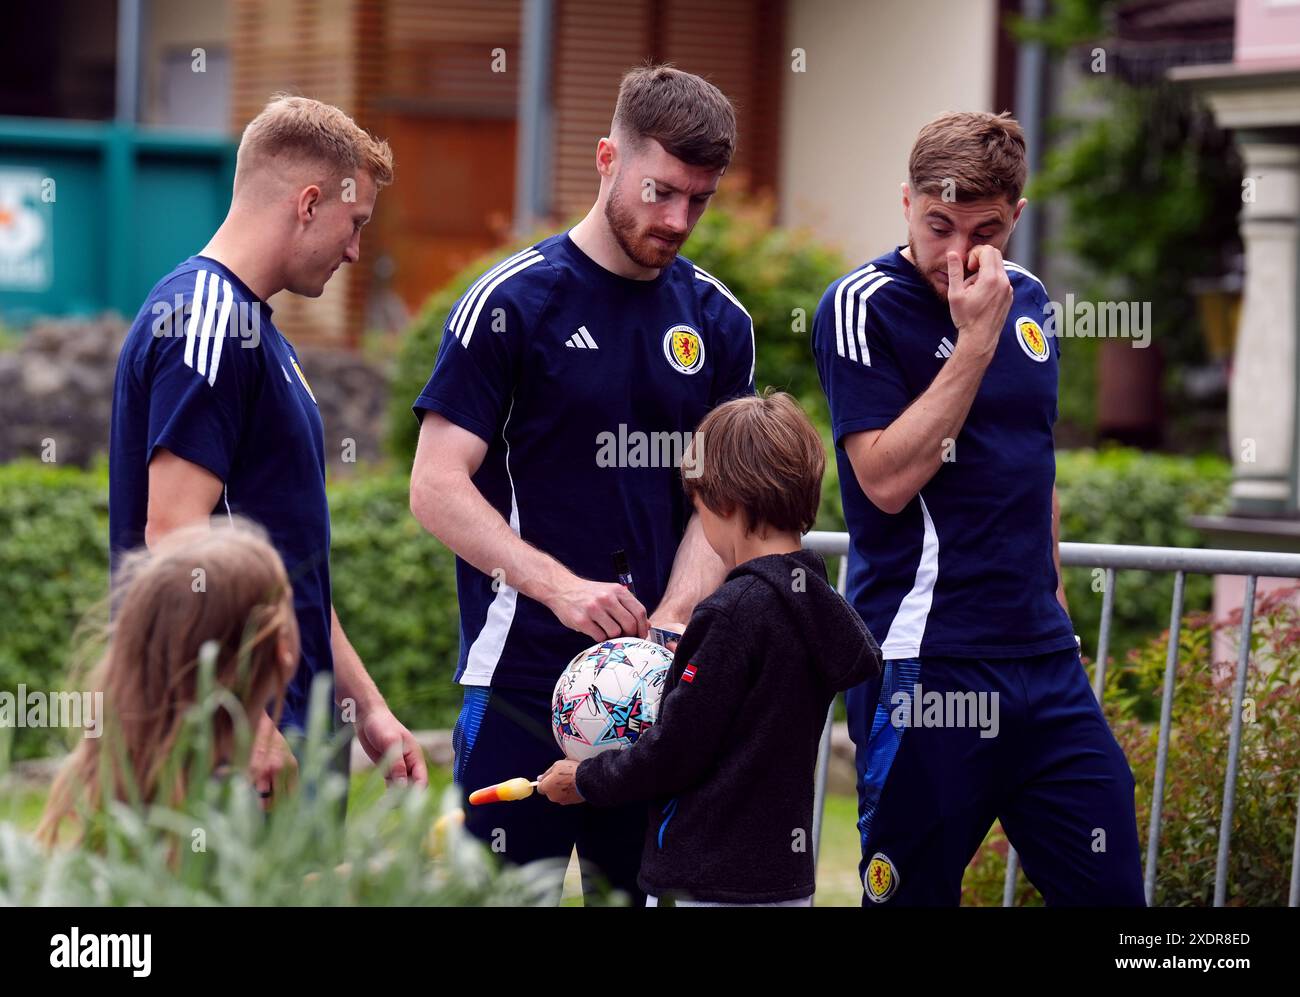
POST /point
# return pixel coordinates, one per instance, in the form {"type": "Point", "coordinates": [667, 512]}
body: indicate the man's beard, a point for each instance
{"type": "Point", "coordinates": [939, 288]}
{"type": "Point", "coordinates": [639, 247]}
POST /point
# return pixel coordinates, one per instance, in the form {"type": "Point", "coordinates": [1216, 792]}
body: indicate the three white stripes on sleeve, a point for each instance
{"type": "Point", "coordinates": [205, 333]}
{"type": "Point", "coordinates": [853, 292]}
{"type": "Point", "coordinates": [465, 317]}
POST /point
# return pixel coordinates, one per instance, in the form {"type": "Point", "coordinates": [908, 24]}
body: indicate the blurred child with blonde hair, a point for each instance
{"type": "Point", "coordinates": [218, 593]}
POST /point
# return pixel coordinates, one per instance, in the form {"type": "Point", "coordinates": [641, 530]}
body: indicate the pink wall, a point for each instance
{"type": "Point", "coordinates": [1229, 594]}
{"type": "Point", "coordinates": [1268, 33]}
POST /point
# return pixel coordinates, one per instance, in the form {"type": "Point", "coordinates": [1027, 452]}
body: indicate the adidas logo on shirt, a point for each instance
{"type": "Point", "coordinates": [581, 340]}
{"type": "Point", "coordinates": [945, 349]}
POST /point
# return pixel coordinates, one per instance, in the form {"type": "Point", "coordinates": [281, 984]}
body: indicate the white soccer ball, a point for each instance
{"type": "Point", "coordinates": [608, 695]}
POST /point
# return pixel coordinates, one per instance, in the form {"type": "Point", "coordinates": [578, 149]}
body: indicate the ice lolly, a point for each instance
{"type": "Point", "coordinates": [511, 789]}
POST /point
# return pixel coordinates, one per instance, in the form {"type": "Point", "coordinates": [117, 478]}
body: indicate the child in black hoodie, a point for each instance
{"type": "Point", "coordinates": [731, 761]}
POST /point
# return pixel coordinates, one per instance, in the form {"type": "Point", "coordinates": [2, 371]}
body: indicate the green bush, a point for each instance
{"type": "Point", "coordinates": [1268, 775]}
{"type": "Point", "coordinates": [53, 570]}
{"type": "Point", "coordinates": [395, 592]}
{"type": "Point", "coordinates": [394, 587]}
{"type": "Point", "coordinates": [1150, 188]}
{"type": "Point", "coordinates": [779, 275]}
{"type": "Point", "coordinates": [1124, 496]}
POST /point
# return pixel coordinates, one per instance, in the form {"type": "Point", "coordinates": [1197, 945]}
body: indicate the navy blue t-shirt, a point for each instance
{"type": "Point", "coordinates": [585, 386]}
{"type": "Point", "coordinates": [966, 569]}
{"type": "Point", "coordinates": [205, 374]}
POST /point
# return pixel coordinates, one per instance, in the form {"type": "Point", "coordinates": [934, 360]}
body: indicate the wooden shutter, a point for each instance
{"type": "Point", "coordinates": [736, 44]}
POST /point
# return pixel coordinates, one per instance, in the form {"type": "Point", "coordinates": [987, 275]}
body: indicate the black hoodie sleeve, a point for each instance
{"type": "Point", "coordinates": [695, 719]}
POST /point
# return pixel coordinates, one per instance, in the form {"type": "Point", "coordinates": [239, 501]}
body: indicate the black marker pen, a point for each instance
{"type": "Point", "coordinates": [623, 570]}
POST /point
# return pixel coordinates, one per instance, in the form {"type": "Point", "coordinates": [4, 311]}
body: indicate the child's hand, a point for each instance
{"type": "Point", "coordinates": [272, 764]}
{"type": "Point", "coordinates": [672, 626]}
{"type": "Point", "coordinates": [558, 784]}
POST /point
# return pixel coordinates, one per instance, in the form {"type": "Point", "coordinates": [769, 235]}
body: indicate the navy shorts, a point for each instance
{"type": "Point", "coordinates": [506, 733]}
{"type": "Point", "coordinates": [946, 745]}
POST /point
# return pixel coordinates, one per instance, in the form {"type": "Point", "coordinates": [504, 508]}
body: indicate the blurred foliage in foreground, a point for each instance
{"type": "Point", "coordinates": [217, 847]}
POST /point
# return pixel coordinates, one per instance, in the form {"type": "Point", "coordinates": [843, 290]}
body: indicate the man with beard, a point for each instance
{"type": "Point", "coordinates": [568, 382]}
{"type": "Point", "coordinates": [940, 368]}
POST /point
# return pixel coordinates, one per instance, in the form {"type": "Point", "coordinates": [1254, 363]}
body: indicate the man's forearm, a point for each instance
{"type": "Point", "coordinates": [697, 571]}
{"type": "Point", "coordinates": [351, 680]}
{"type": "Point", "coordinates": [904, 456]}
{"type": "Point", "coordinates": [467, 524]}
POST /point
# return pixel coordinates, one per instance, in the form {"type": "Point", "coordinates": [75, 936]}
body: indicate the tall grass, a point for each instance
{"type": "Point", "coordinates": [218, 847]}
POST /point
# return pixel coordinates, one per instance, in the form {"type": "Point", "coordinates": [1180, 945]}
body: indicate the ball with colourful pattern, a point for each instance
{"type": "Point", "coordinates": [608, 696]}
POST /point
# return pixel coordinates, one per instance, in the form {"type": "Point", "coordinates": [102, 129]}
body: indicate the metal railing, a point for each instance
{"type": "Point", "coordinates": [1111, 558]}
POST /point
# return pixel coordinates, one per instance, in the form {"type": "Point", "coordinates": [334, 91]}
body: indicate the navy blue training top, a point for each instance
{"type": "Point", "coordinates": [205, 374]}
{"type": "Point", "coordinates": [966, 569]}
{"type": "Point", "coordinates": [586, 387]}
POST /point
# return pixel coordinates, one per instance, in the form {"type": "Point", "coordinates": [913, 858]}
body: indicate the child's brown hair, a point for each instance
{"type": "Point", "coordinates": [759, 454]}
{"type": "Point", "coordinates": [222, 585]}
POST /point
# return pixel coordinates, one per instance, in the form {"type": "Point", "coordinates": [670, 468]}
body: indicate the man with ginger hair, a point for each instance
{"type": "Point", "coordinates": [213, 413]}
{"type": "Point", "coordinates": [940, 368]}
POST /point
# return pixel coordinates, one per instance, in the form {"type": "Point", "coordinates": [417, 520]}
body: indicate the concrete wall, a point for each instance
{"type": "Point", "coordinates": [56, 395]}
{"type": "Point", "coordinates": [877, 70]}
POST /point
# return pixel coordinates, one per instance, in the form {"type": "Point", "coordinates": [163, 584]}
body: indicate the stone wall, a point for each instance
{"type": "Point", "coordinates": [56, 395]}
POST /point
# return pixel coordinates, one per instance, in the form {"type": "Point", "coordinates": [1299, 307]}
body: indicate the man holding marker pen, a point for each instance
{"type": "Point", "coordinates": [561, 371]}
